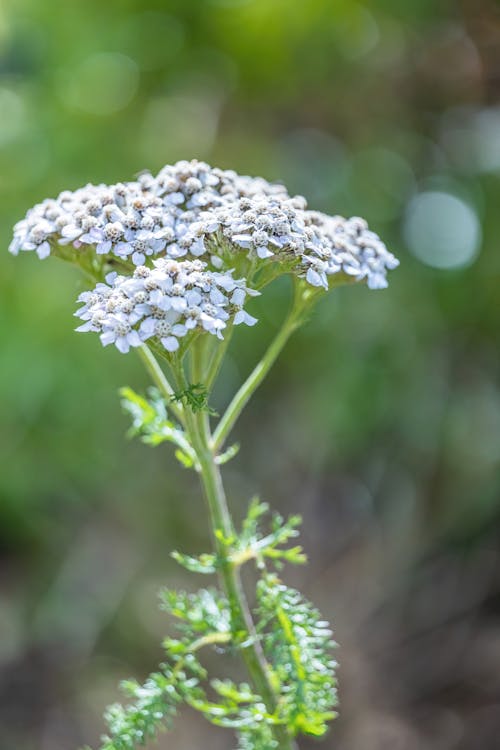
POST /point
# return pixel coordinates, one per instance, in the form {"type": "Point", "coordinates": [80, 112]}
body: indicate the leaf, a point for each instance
{"type": "Point", "coordinates": [257, 737]}
{"type": "Point", "coordinates": [228, 454]}
{"type": "Point", "coordinates": [151, 423]}
{"type": "Point", "coordinates": [152, 710]}
{"type": "Point", "coordinates": [153, 704]}
{"type": "Point", "coordinates": [202, 613]}
{"type": "Point", "coordinates": [252, 544]}
{"type": "Point", "coordinates": [205, 563]}
{"type": "Point", "coordinates": [195, 397]}
{"type": "Point", "coordinates": [238, 708]}
{"type": "Point", "coordinates": [298, 642]}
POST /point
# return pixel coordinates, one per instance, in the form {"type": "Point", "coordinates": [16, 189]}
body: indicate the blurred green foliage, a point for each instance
{"type": "Point", "coordinates": [381, 422]}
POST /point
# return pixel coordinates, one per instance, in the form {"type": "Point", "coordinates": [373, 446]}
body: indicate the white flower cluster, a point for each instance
{"type": "Point", "coordinates": [193, 210]}
{"type": "Point", "coordinates": [165, 303]}
{"type": "Point", "coordinates": [134, 220]}
{"type": "Point", "coordinates": [346, 245]}
{"type": "Point", "coordinates": [310, 243]}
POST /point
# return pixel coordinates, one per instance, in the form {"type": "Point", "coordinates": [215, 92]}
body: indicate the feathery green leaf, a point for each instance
{"type": "Point", "coordinates": [297, 643]}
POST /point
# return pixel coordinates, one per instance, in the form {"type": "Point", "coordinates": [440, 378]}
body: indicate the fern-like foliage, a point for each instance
{"type": "Point", "coordinates": [252, 543]}
{"type": "Point", "coordinates": [153, 704]}
{"type": "Point", "coordinates": [237, 707]}
{"type": "Point", "coordinates": [150, 421]}
{"type": "Point", "coordinates": [195, 397]}
{"type": "Point", "coordinates": [203, 621]}
{"type": "Point", "coordinates": [202, 615]}
{"type": "Point", "coordinates": [298, 643]}
{"type": "Point", "coordinates": [257, 737]}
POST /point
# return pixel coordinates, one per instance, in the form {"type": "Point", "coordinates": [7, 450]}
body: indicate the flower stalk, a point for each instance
{"type": "Point", "coordinates": [241, 619]}
{"type": "Point", "coordinates": [243, 395]}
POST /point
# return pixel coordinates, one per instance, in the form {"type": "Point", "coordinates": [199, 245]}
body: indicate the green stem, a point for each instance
{"type": "Point", "coordinates": [255, 378]}
{"type": "Point", "coordinates": [205, 447]}
{"type": "Point", "coordinates": [161, 381]}
{"type": "Point", "coordinates": [242, 623]}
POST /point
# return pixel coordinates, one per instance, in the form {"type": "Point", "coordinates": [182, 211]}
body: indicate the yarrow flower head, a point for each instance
{"type": "Point", "coordinates": [134, 220]}
{"type": "Point", "coordinates": [163, 303]}
{"type": "Point", "coordinates": [176, 239]}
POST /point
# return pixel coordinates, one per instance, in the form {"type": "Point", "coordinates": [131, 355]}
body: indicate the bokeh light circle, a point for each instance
{"type": "Point", "coordinates": [103, 83]}
{"type": "Point", "coordinates": [442, 230]}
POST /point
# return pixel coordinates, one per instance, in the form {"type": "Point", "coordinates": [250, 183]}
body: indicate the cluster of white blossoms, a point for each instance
{"type": "Point", "coordinates": [165, 303]}
{"type": "Point", "coordinates": [312, 244]}
{"type": "Point", "coordinates": [191, 211]}
{"type": "Point", "coordinates": [134, 220]}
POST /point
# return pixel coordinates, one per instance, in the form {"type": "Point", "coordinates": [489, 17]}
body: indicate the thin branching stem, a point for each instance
{"type": "Point", "coordinates": [255, 378]}
{"type": "Point", "coordinates": [217, 357]}
{"type": "Point", "coordinates": [160, 380]}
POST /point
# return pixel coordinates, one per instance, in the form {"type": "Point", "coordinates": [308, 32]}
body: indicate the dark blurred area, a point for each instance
{"type": "Point", "coordinates": [381, 422]}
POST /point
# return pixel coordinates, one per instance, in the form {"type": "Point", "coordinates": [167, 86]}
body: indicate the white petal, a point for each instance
{"type": "Point", "coordinates": [198, 247]}
{"type": "Point", "coordinates": [15, 246]}
{"type": "Point", "coordinates": [85, 327]}
{"type": "Point", "coordinates": [123, 249]}
{"type": "Point", "coordinates": [216, 297]}
{"type": "Point", "coordinates": [352, 269]}
{"type": "Point", "coordinates": [122, 344]}
{"type": "Point", "coordinates": [250, 320]}
{"type": "Point", "coordinates": [314, 278]}
{"type": "Point", "coordinates": [70, 231]}
{"type": "Point", "coordinates": [134, 339]}
{"type": "Point", "coordinates": [138, 259]}
{"type": "Point", "coordinates": [263, 252]}
{"type": "Point", "coordinates": [174, 251]}
{"type": "Point", "coordinates": [377, 281]}
{"type": "Point", "coordinates": [107, 337]}
{"type": "Point", "coordinates": [43, 250]}
{"type": "Point", "coordinates": [243, 317]}
{"type": "Point", "coordinates": [178, 303]}
{"type": "Point", "coordinates": [238, 297]}
{"type": "Point", "coordinates": [243, 240]}
{"type": "Point", "coordinates": [193, 298]}
{"type": "Point", "coordinates": [179, 330]}
{"type": "Point", "coordinates": [170, 343]}
{"type": "Point", "coordinates": [147, 328]}
{"type": "Point", "coordinates": [103, 247]}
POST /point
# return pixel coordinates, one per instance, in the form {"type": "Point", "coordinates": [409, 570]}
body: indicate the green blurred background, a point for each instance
{"type": "Point", "coordinates": [381, 422]}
